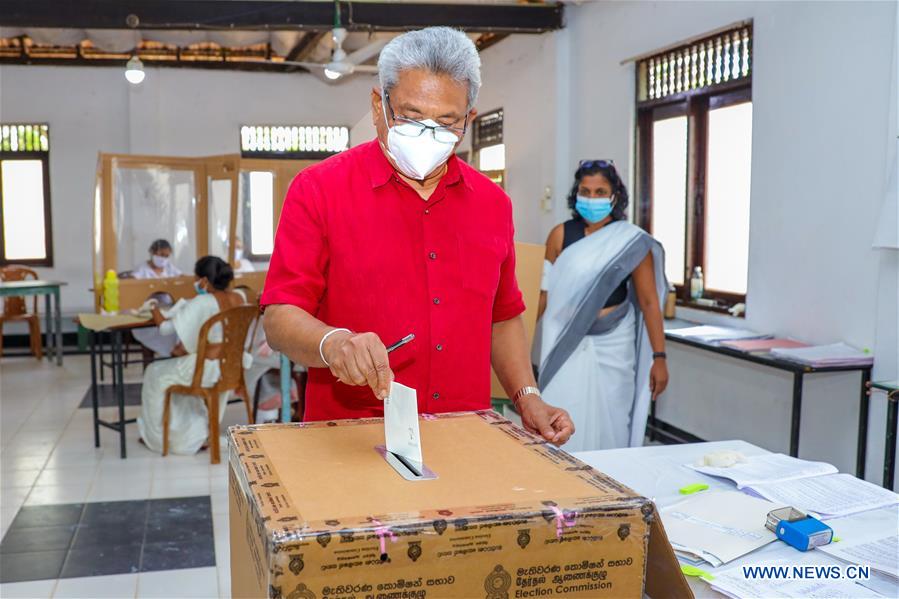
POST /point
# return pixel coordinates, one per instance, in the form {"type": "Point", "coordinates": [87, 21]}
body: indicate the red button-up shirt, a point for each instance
{"type": "Point", "coordinates": [358, 248]}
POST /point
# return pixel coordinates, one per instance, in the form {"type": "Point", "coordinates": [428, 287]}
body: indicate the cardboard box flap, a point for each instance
{"type": "Point", "coordinates": [664, 578]}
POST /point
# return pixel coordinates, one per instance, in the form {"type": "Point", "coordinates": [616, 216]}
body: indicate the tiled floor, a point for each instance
{"type": "Point", "coordinates": [47, 458]}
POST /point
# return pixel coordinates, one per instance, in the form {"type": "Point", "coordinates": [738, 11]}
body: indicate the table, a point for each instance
{"type": "Point", "coordinates": [115, 325]}
{"type": "Point", "coordinates": [658, 472]}
{"type": "Point", "coordinates": [889, 452]}
{"type": "Point", "coordinates": [50, 291]}
{"type": "Point", "coordinates": [798, 371]}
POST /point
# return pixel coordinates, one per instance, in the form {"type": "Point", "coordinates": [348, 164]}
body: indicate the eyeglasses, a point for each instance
{"type": "Point", "coordinates": [596, 163]}
{"type": "Point", "coordinates": [412, 128]}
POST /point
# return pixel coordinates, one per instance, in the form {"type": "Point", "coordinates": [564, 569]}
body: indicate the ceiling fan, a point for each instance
{"type": "Point", "coordinates": [341, 63]}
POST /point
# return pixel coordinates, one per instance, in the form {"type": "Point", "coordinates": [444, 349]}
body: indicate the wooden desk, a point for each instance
{"type": "Point", "coordinates": [53, 315]}
{"type": "Point", "coordinates": [114, 325]}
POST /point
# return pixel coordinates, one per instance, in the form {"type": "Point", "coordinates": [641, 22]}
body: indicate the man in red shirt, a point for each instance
{"type": "Point", "coordinates": [398, 236]}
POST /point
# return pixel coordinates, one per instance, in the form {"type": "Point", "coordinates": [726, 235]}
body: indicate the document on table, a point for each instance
{"type": "Point", "coordinates": [769, 468]}
{"type": "Point", "coordinates": [401, 424]}
{"type": "Point", "coordinates": [881, 553]}
{"type": "Point", "coordinates": [829, 496]}
{"type": "Point", "coordinates": [733, 583]}
{"type": "Point", "coordinates": [714, 334]}
{"type": "Point", "coordinates": [720, 526]}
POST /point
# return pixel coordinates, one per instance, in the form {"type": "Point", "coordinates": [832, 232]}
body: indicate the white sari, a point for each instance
{"type": "Point", "coordinates": [598, 369]}
{"type": "Point", "coordinates": [188, 419]}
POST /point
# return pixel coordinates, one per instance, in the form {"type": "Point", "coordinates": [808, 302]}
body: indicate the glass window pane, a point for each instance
{"type": "Point", "coordinates": [219, 217]}
{"type": "Point", "coordinates": [492, 158]}
{"type": "Point", "coordinates": [262, 184]}
{"type": "Point", "coordinates": [23, 210]}
{"type": "Point", "coordinates": [727, 202]}
{"type": "Point", "coordinates": [152, 203]}
{"type": "Point", "coordinates": [669, 192]}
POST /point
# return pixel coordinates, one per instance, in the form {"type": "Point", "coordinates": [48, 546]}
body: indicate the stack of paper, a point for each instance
{"type": "Point", "coordinates": [881, 553]}
{"type": "Point", "coordinates": [714, 334]}
{"type": "Point", "coordinates": [762, 346]}
{"type": "Point", "coordinates": [829, 496]}
{"type": "Point", "coordinates": [814, 487]}
{"type": "Point", "coordinates": [718, 527]}
{"type": "Point", "coordinates": [837, 354]}
{"type": "Point", "coordinates": [768, 468]}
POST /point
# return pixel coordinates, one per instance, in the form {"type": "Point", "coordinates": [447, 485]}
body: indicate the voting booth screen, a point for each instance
{"type": "Point", "coordinates": [316, 512]}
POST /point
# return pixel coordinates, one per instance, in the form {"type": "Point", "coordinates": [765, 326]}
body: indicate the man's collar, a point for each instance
{"type": "Point", "coordinates": [380, 170]}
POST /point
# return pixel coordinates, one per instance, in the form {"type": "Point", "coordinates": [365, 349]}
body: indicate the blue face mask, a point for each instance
{"type": "Point", "coordinates": [593, 209]}
{"type": "Point", "coordinates": [199, 290]}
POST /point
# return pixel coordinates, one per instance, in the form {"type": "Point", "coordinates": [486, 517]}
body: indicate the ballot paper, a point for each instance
{"type": "Point", "coordinates": [734, 583]}
{"type": "Point", "coordinates": [829, 496]}
{"type": "Point", "coordinates": [719, 526]}
{"type": "Point", "coordinates": [768, 468]}
{"type": "Point", "coordinates": [401, 425]}
{"type": "Point", "coordinates": [880, 553]}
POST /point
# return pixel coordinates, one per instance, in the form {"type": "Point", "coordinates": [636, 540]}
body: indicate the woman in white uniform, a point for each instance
{"type": "Point", "coordinates": [157, 267]}
{"type": "Point", "coordinates": [188, 419]}
{"type": "Point", "coordinates": [602, 345]}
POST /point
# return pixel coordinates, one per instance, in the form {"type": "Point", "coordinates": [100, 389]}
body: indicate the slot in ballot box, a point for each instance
{"type": "Point", "coordinates": [316, 512]}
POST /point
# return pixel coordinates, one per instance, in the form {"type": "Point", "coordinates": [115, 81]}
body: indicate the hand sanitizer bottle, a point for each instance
{"type": "Point", "coordinates": [697, 286]}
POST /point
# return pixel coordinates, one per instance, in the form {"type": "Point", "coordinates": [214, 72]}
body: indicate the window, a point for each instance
{"type": "Point", "coordinates": [292, 141]}
{"type": "Point", "coordinates": [488, 147]}
{"type": "Point", "coordinates": [694, 149]}
{"type": "Point", "coordinates": [25, 195]}
{"type": "Point", "coordinates": [259, 227]}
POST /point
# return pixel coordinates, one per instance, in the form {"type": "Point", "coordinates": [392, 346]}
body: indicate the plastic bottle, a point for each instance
{"type": "Point", "coordinates": [111, 292]}
{"type": "Point", "coordinates": [697, 286]}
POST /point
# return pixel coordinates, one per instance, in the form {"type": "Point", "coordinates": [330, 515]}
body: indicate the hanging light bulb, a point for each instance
{"type": "Point", "coordinates": [332, 74]}
{"type": "Point", "coordinates": [134, 70]}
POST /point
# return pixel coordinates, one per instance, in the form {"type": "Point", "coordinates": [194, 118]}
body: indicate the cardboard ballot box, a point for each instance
{"type": "Point", "coordinates": [317, 512]}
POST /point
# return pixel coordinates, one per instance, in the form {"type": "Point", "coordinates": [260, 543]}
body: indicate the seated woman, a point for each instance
{"type": "Point", "coordinates": [160, 263]}
{"type": "Point", "coordinates": [188, 419]}
{"type": "Point", "coordinates": [158, 266]}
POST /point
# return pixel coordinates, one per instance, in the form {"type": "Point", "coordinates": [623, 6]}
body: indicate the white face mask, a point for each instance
{"type": "Point", "coordinates": [159, 261]}
{"type": "Point", "coordinates": [417, 157]}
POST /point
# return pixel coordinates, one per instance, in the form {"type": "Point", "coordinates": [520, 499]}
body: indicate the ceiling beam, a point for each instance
{"type": "Point", "coordinates": [299, 52]}
{"type": "Point", "coordinates": [277, 15]}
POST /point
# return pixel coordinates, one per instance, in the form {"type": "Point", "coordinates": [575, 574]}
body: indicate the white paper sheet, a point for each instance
{"type": "Point", "coordinates": [881, 553]}
{"type": "Point", "coordinates": [724, 525]}
{"type": "Point", "coordinates": [401, 424]}
{"type": "Point", "coordinates": [770, 468]}
{"type": "Point", "coordinates": [829, 496]}
{"type": "Point", "coordinates": [715, 334]}
{"type": "Point", "coordinates": [732, 583]}
{"type": "Point", "coordinates": [836, 354]}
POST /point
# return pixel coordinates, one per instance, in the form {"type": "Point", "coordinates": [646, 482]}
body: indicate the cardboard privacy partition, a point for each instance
{"type": "Point", "coordinates": [528, 272]}
{"type": "Point", "coordinates": [316, 512]}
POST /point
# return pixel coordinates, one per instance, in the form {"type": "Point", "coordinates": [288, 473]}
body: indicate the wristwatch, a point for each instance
{"type": "Point", "coordinates": [525, 391]}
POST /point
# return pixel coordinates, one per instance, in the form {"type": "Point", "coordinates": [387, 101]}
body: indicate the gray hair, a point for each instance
{"type": "Point", "coordinates": [440, 50]}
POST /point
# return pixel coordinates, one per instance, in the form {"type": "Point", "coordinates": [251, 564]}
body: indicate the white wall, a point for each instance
{"type": "Point", "coordinates": [821, 109]}
{"type": "Point", "coordinates": [182, 112]}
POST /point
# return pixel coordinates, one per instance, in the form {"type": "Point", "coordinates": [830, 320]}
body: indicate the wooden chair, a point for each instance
{"type": "Point", "coordinates": [15, 309]}
{"type": "Point", "coordinates": [235, 323]}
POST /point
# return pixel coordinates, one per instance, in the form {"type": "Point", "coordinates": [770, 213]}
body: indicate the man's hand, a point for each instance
{"type": "Point", "coordinates": [359, 359]}
{"type": "Point", "coordinates": [551, 423]}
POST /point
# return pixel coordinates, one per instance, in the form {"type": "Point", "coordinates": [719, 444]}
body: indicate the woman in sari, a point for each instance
{"type": "Point", "coordinates": [188, 419]}
{"type": "Point", "coordinates": [602, 345]}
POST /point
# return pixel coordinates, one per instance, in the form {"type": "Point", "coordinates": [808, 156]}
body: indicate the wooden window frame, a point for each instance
{"type": "Point", "coordinates": [695, 105]}
{"type": "Point", "coordinates": [44, 157]}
